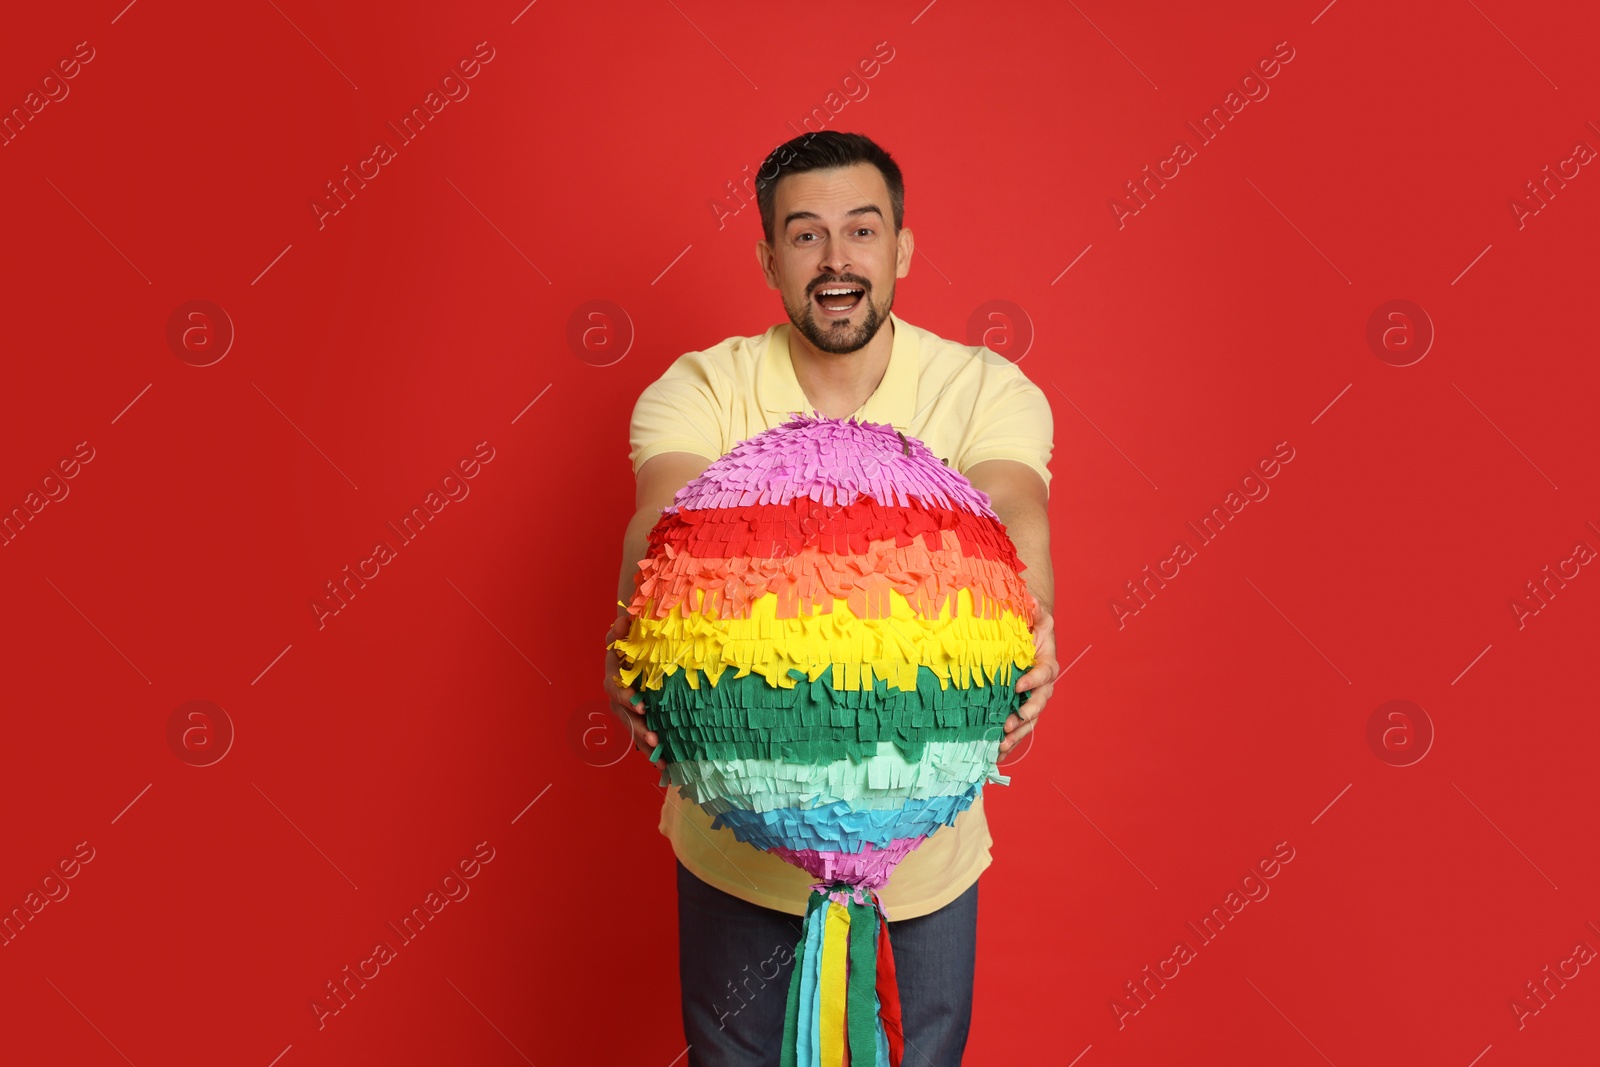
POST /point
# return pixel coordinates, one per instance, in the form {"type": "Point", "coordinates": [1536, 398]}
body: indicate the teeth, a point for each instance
{"type": "Point", "coordinates": [838, 292]}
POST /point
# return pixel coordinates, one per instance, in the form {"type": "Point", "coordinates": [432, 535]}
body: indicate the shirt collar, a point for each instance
{"type": "Point", "coordinates": [893, 402]}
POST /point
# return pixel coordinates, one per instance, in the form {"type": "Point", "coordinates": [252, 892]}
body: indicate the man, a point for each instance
{"type": "Point", "coordinates": [832, 212]}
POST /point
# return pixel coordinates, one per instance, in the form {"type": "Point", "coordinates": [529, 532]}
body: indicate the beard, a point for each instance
{"type": "Point", "coordinates": [840, 336]}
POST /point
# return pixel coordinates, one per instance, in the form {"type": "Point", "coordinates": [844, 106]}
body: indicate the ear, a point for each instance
{"type": "Point", "coordinates": [764, 259]}
{"type": "Point", "coordinates": [904, 246]}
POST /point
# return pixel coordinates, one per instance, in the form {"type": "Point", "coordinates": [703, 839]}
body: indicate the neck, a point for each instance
{"type": "Point", "coordinates": [837, 383]}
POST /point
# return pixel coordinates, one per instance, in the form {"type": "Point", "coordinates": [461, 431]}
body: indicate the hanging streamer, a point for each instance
{"type": "Point", "coordinates": [889, 999]}
{"type": "Point", "coordinates": [863, 968]}
{"type": "Point", "coordinates": [797, 1040]}
{"type": "Point", "coordinates": [833, 988]}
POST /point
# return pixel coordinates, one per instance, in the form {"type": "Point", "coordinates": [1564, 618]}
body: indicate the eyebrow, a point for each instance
{"type": "Point", "coordinates": [865, 209]}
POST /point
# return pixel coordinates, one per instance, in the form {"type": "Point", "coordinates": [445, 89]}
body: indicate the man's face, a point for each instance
{"type": "Point", "coordinates": [834, 229]}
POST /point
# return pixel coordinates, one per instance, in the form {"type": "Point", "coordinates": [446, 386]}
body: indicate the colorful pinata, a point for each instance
{"type": "Point", "coordinates": [828, 630]}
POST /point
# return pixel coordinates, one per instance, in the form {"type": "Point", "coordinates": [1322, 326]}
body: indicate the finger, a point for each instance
{"type": "Point", "coordinates": [614, 684]}
{"type": "Point", "coordinates": [1014, 740]}
{"type": "Point", "coordinates": [614, 674]}
{"type": "Point", "coordinates": [1022, 730]}
{"type": "Point", "coordinates": [637, 729]}
{"type": "Point", "coordinates": [1045, 669]}
{"type": "Point", "coordinates": [641, 732]}
{"type": "Point", "coordinates": [648, 736]}
{"type": "Point", "coordinates": [644, 741]}
{"type": "Point", "coordinates": [1030, 709]}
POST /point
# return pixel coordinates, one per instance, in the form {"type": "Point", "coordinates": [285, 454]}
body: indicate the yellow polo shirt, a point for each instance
{"type": "Point", "coordinates": [966, 404]}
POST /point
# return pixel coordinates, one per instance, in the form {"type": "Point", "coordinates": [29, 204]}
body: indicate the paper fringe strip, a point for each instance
{"type": "Point", "coordinates": [962, 647]}
{"type": "Point", "coordinates": [830, 461]}
{"type": "Point", "coordinates": [814, 723]}
{"type": "Point", "coordinates": [883, 779]}
{"type": "Point", "coordinates": [716, 563]}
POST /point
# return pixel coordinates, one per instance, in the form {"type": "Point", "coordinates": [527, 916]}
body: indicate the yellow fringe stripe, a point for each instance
{"type": "Point", "coordinates": [965, 648]}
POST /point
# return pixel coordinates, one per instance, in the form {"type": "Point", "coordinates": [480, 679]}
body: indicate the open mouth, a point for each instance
{"type": "Point", "coordinates": [839, 299]}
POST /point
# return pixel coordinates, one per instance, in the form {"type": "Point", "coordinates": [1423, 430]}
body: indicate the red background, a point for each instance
{"type": "Point", "coordinates": [374, 752]}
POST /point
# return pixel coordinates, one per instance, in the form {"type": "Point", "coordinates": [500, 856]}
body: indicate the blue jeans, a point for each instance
{"type": "Point", "coordinates": [735, 958]}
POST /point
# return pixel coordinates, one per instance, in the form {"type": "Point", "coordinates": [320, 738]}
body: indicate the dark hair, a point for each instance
{"type": "Point", "coordinates": [824, 150]}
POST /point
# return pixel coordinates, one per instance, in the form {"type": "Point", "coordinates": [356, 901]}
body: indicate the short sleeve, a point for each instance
{"type": "Point", "coordinates": [678, 412]}
{"type": "Point", "coordinates": [1017, 424]}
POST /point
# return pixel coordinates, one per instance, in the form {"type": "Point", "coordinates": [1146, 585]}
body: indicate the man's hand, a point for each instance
{"type": "Point", "coordinates": [625, 700]}
{"type": "Point", "coordinates": [658, 480]}
{"type": "Point", "coordinates": [1018, 496]}
{"type": "Point", "coordinates": [1038, 683]}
